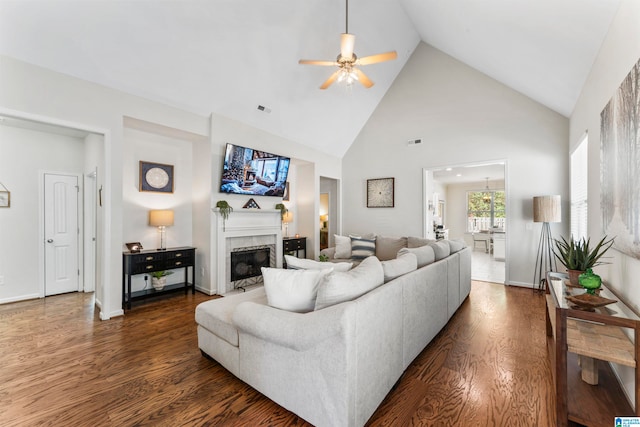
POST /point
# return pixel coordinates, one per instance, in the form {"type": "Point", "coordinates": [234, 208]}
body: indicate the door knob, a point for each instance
{"type": "Point", "coordinates": [50, 241]}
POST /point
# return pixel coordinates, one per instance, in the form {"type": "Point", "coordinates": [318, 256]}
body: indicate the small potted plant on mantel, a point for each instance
{"type": "Point", "coordinates": [577, 255]}
{"type": "Point", "coordinates": [159, 279]}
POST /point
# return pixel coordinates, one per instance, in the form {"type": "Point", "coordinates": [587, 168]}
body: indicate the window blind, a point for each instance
{"type": "Point", "coordinates": [579, 189]}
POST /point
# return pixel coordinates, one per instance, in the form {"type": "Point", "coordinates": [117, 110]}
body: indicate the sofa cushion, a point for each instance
{"type": "Point", "coordinates": [387, 247]}
{"type": "Point", "coordinates": [339, 287]}
{"type": "Point", "coordinates": [362, 248]}
{"type": "Point", "coordinates": [456, 245]}
{"type": "Point", "coordinates": [403, 264]}
{"type": "Point", "coordinates": [343, 247]}
{"type": "Point", "coordinates": [417, 242]}
{"type": "Point", "coordinates": [292, 290]}
{"type": "Point", "coordinates": [215, 315]}
{"type": "Point", "coordinates": [441, 249]}
{"type": "Point", "coordinates": [294, 263]}
{"type": "Point", "coordinates": [424, 254]}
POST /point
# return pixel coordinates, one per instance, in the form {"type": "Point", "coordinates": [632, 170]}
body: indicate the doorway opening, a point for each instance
{"type": "Point", "coordinates": [328, 211]}
{"type": "Point", "coordinates": [469, 202]}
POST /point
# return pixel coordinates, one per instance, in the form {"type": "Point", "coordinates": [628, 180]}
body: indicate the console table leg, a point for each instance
{"type": "Point", "coordinates": [589, 370]}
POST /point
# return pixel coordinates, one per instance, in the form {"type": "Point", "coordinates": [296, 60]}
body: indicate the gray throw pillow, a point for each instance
{"type": "Point", "coordinates": [424, 254]}
{"type": "Point", "coordinates": [387, 247]}
{"type": "Point", "coordinates": [417, 242]}
{"type": "Point", "coordinates": [441, 249]}
{"type": "Point", "coordinates": [362, 248]}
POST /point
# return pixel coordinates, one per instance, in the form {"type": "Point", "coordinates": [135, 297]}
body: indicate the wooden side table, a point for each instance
{"type": "Point", "coordinates": [594, 336]}
{"type": "Point", "coordinates": [294, 244]}
{"type": "Point", "coordinates": [148, 261]}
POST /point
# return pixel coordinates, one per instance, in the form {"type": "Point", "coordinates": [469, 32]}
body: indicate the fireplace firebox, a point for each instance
{"type": "Point", "coordinates": [247, 263]}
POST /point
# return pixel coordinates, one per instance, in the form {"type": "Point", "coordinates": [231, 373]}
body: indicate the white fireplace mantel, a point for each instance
{"type": "Point", "coordinates": [246, 227]}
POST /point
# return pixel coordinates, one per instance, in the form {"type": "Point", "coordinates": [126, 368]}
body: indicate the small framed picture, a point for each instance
{"type": "Point", "coordinates": [285, 196]}
{"type": "Point", "coordinates": [5, 199]}
{"type": "Point", "coordinates": [134, 247]}
{"type": "Point", "coordinates": [156, 177]}
{"type": "Point", "coordinates": [380, 193]}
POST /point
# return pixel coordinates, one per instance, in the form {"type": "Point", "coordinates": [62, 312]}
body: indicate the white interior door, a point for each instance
{"type": "Point", "coordinates": [61, 234]}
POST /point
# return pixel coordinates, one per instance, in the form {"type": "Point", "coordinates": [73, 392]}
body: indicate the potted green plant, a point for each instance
{"type": "Point", "coordinates": [578, 256]}
{"type": "Point", "coordinates": [225, 210]}
{"type": "Point", "coordinates": [159, 279]}
{"type": "Point", "coordinates": [283, 210]}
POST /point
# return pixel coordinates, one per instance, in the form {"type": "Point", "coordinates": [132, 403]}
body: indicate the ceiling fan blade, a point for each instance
{"type": "Point", "coordinates": [362, 78]}
{"type": "Point", "coordinates": [330, 80]}
{"type": "Point", "coordinates": [346, 45]}
{"type": "Point", "coordinates": [316, 62]}
{"type": "Point", "coordinates": [381, 57]}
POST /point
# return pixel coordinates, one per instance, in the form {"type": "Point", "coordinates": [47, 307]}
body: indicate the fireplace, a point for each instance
{"type": "Point", "coordinates": [245, 230]}
{"type": "Point", "coordinates": [246, 263]}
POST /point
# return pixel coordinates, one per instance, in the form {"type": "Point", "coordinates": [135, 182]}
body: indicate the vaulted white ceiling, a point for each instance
{"type": "Point", "coordinates": [229, 56]}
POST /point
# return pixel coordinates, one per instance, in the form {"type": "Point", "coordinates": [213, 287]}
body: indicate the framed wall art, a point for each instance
{"type": "Point", "coordinates": [620, 165]}
{"type": "Point", "coordinates": [156, 177]}
{"type": "Point", "coordinates": [380, 193]}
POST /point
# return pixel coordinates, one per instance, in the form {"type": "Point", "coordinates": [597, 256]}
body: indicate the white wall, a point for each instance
{"type": "Point", "coordinates": [619, 52]}
{"type": "Point", "coordinates": [23, 154]}
{"type": "Point", "coordinates": [463, 117]}
{"type": "Point", "coordinates": [136, 205]}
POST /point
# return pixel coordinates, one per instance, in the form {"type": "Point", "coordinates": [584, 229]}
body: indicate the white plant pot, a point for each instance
{"type": "Point", "coordinates": [159, 283]}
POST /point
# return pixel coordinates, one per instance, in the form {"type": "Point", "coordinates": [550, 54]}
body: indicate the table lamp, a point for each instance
{"type": "Point", "coordinates": [161, 219]}
{"type": "Point", "coordinates": [287, 219]}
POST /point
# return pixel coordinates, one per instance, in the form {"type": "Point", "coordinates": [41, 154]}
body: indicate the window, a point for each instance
{"type": "Point", "coordinates": [485, 210]}
{"type": "Point", "coordinates": [579, 188]}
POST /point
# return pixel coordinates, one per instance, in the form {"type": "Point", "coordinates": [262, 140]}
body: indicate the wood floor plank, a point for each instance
{"type": "Point", "coordinates": [61, 366]}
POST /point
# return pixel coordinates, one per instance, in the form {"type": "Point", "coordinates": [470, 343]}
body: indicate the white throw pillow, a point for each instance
{"type": "Point", "coordinates": [343, 247]}
{"type": "Point", "coordinates": [339, 287]}
{"type": "Point", "coordinates": [403, 264]}
{"type": "Point", "coordinates": [294, 263]}
{"type": "Point", "coordinates": [292, 290]}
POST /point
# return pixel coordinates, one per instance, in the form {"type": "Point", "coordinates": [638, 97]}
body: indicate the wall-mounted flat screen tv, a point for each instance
{"type": "Point", "coordinates": [249, 171]}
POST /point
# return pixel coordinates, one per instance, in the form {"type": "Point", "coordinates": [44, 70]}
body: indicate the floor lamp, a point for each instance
{"type": "Point", "coordinates": [546, 209]}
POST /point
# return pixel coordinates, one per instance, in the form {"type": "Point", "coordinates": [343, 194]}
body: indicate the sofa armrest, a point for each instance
{"type": "Point", "coordinates": [298, 331]}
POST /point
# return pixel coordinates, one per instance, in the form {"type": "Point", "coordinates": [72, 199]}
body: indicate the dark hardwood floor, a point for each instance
{"type": "Point", "coordinates": [61, 366]}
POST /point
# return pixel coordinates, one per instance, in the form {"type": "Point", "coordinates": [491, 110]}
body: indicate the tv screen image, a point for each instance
{"type": "Point", "coordinates": [255, 172]}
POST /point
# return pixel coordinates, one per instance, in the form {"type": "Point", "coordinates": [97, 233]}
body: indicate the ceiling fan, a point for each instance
{"type": "Point", "coordinates": [347, 61]}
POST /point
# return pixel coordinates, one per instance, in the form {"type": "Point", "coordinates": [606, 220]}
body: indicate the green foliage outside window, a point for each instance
{"type": "Point", "coordinates": [485, 209]}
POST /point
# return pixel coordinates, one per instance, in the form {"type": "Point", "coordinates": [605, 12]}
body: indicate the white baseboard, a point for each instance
{"type": "Point", "coordinates": [205, 291]}
{"type": "Point", "coordinates": [19, 298]}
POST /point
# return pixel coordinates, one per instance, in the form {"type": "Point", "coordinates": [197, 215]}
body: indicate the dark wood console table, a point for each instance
{"type": "Point", "coordinates": [148, 261]}
{"type": "Point", "coordinates": [593, 396]}
{"type": "Point", "coordinates": [294, 244]}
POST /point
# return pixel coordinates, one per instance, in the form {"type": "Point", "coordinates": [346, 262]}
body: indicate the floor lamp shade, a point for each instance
{"type": "Point", "coordinates": [547, 209]}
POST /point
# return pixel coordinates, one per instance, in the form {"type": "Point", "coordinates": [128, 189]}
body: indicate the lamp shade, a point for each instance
{"type": "Point", "coordinates": [547, 209]}
{"type": "Point", "coordinates": [288, 217]}
{"type": "Point", "coordinates": [161, 218]}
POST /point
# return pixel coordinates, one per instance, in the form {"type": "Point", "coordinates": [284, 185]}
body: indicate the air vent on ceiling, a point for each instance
{"type": "Point", "coordinates": [415, 141]}
{"type": "Point", "coordinates": [264, 109]}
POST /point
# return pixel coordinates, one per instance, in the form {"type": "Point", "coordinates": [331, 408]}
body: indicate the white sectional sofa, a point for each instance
{"type": "Point", "coordinates": [335, 365]}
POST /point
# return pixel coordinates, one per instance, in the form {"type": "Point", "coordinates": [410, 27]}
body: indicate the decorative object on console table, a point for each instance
{"type": "Point", "coordinates": [156, 177]}
{"type": "Point", "coordinates": [159, 279]}
{"type": "Point", "coordinates": [161, 219]}
{"type": "Point", "coordinates": [577, 256]}
{"type": "Point", "coordinates": [546, 209]}
{"type": "Point", "coordinates": [134, 247]}
{"type": "Point", "coordinates": [380, 193]}
{"type": "Point", "coordinates": [149, 261]}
